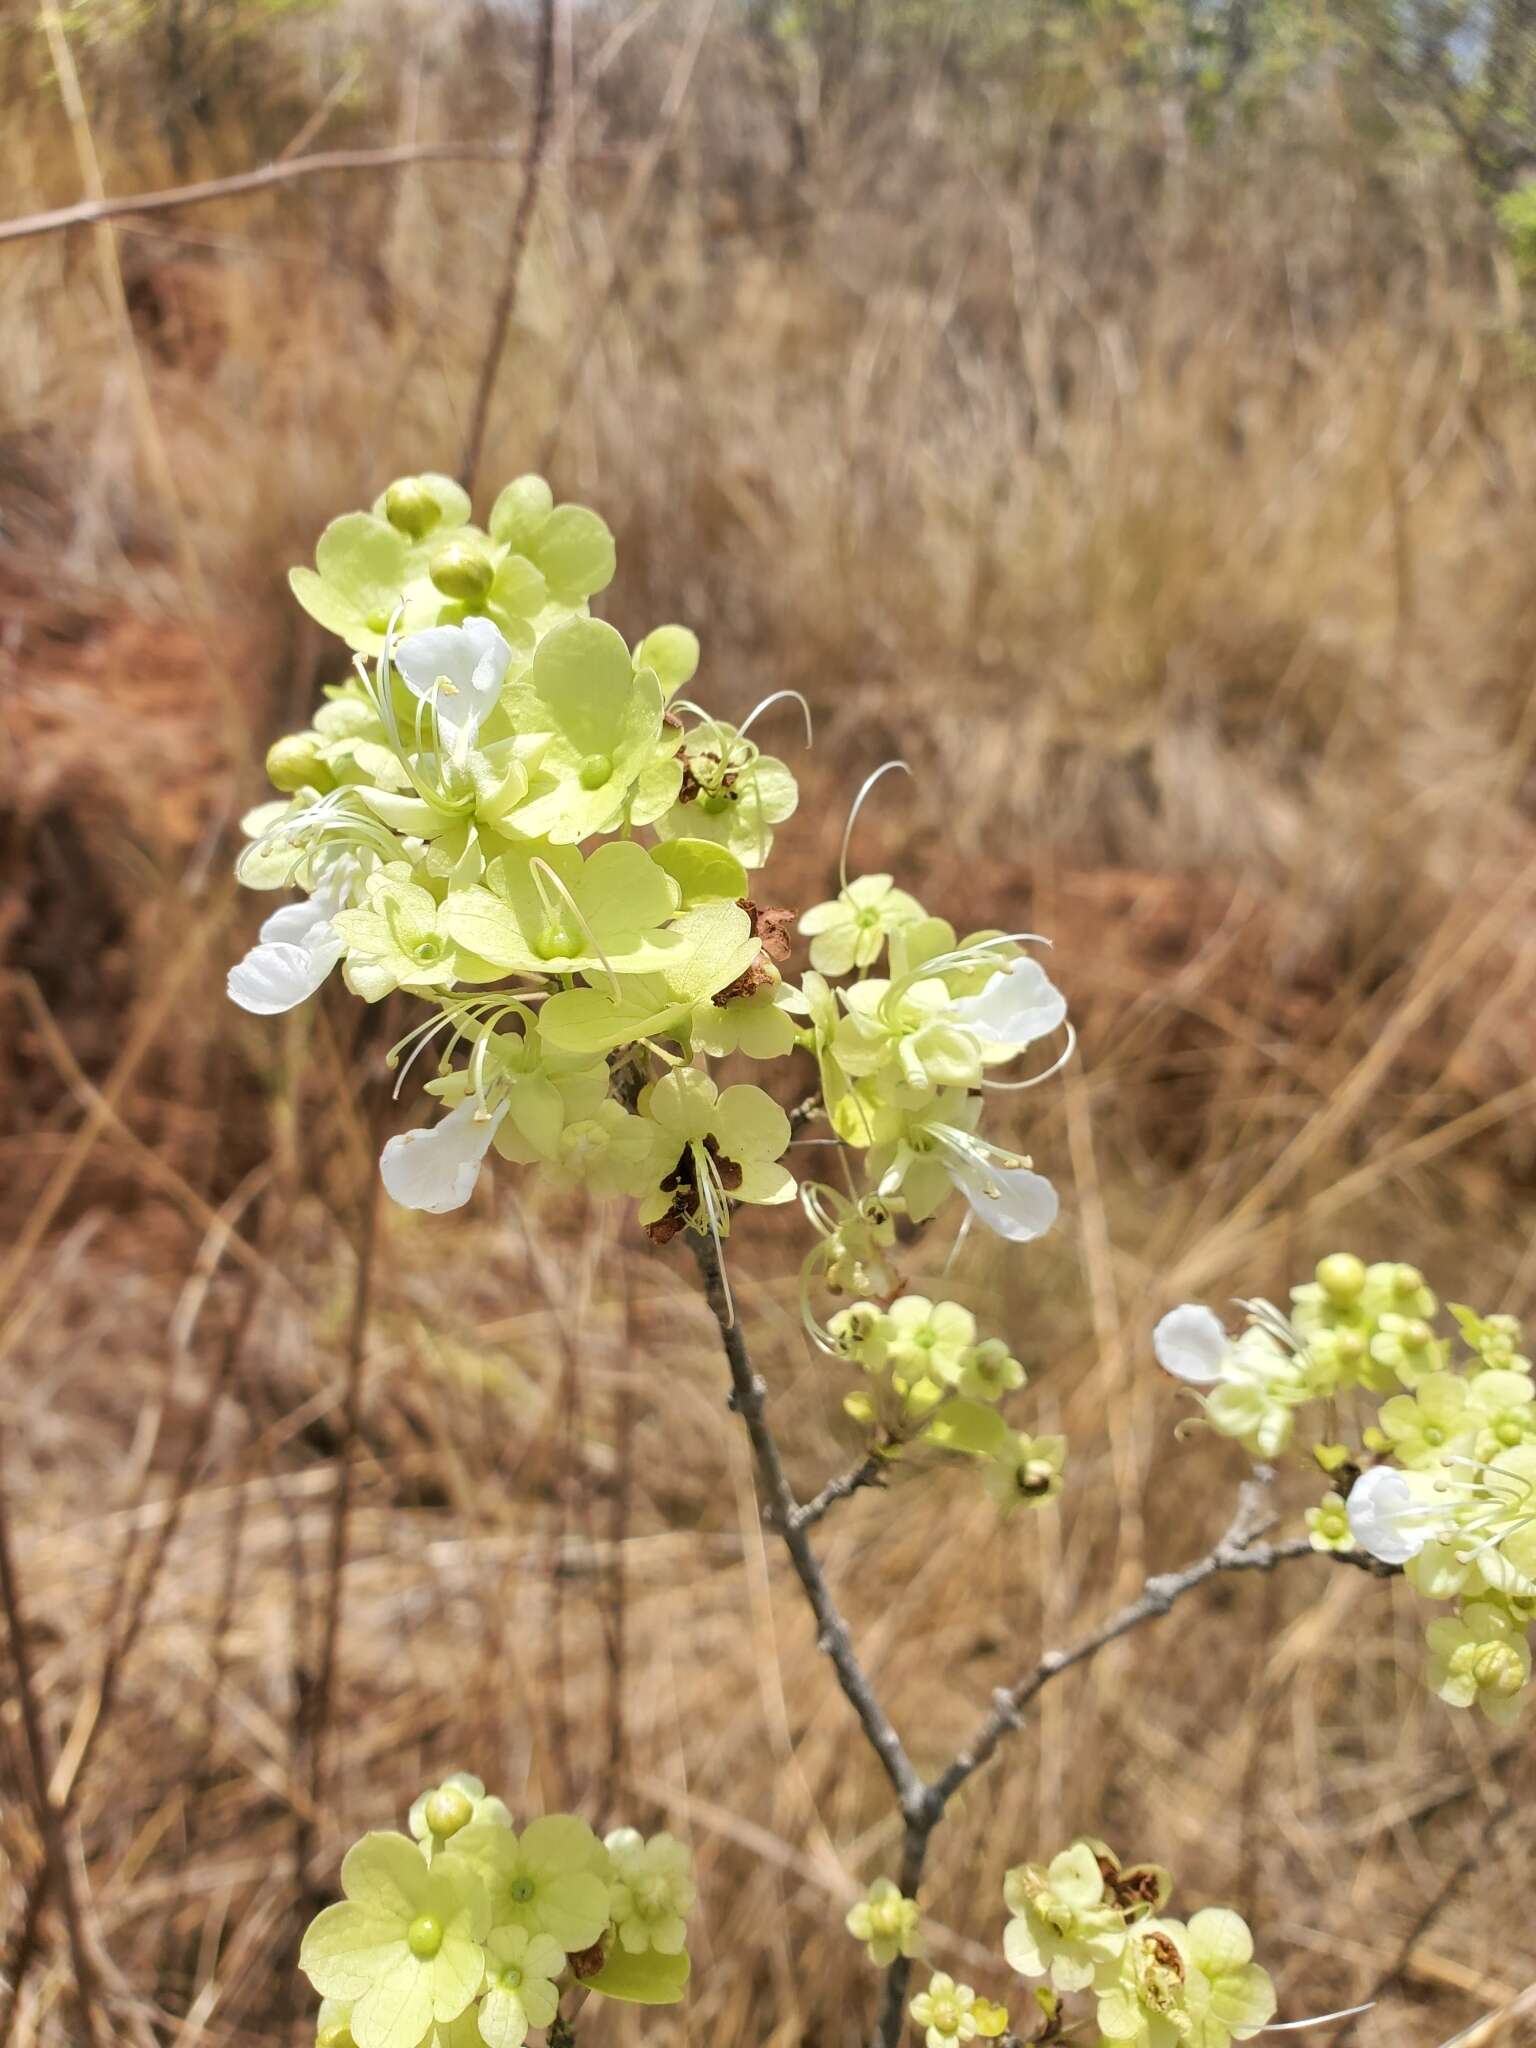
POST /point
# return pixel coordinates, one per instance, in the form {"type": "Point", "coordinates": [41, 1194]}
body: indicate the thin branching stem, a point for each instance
{"type": "Point", "coordinates": [749, 1399]}
{"type": "Point", "coordinates": [923, 1804]}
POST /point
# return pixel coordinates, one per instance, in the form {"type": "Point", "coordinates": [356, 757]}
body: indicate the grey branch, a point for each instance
{"type": "Point", "coordinates": [322, 162]}
{"type": "Point", "coordinates": [748, 1396]}
{"type": "Point", "coordinates": [869, 1471]}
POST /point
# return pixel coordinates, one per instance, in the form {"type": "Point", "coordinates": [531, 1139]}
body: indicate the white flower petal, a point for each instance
{"type": "Point", "coordinates": [1016, 1007]}
{"type": "Point", "coordinates": [296, 923]}
{"type": "Point", "coordinates": [278, 975]}
{"type": "Point", "coordinates": [1191, 1344]}
{"type": "Point", "coordinates": [1010, 1200]}
{"type": "Point", "coordinates": [1386, 1518]}
{"type": "Point", "coordinates": [436, 1168]}
{"type": "Point", "coordinates": [471, 658]}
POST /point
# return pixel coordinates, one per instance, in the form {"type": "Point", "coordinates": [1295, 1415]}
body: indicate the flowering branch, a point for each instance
{"type": "Point", "coordinates": [924, 1803]}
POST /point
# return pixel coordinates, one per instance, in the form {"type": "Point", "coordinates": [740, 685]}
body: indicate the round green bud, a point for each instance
{"type": "Point", "coordinates": [595, 770]}
{"type": "Point", "coordinates": [462, 571]}
{"type": "Point", "coordinates": [1342, 1277]}
{"type": "Point", "coordinates": [294, 762]}
{"type": "Point", "coordinates": [1406, 1280]}
{"type": "Point", "coordinates": [424, 1936]}
{"type": "Point", "coordinates": [448, 1810]}
{"type": "Point", "coordinates": [411, 507]}
{"type": "Point", "coordinates": [337, 2036]}
{"type": "Point", "coordinates": [1349, 1347]}
{"type": "Point", "coordinates": [1414, 1335]}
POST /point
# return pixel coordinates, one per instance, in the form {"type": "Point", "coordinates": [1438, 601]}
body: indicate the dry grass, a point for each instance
{"type": "Point", "coordinates": [1171, 508]}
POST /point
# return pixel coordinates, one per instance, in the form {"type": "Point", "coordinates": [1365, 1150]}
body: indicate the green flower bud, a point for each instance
{"type": "Point", "coordinates": [448, 1810]}
{"type": "Point", "coordinates": [1497, 1668]}
{"type": "Point", "coordinates": [461, 570]}
{"type": "Point", "coordinates": [1341, 1277]}
{"type": "Point", "coordinates": [338, 2036]}
{"type": "Point", "coordinates": [294, 762]}
{"type": "Point", "coordinates": [1407, 1280]}
{"type": "Point", "coordinates": [411, 507]}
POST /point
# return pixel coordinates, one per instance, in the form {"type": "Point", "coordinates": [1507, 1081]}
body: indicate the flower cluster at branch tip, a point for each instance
{"type": "Point", "coordinates": [928, 1379]}
{"type": "Point", "coordinates": [1089, 1923]}
{"type": "Point", "coordinates": [1430, 1448]}
{"type": "Point", "coordinates": [466, 1933]}
{"type": "Point", "coordinates": [512, 816]}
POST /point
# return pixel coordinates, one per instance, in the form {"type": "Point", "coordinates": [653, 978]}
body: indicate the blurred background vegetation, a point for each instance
{"type": "Point", "coordinates": [1123, 411]}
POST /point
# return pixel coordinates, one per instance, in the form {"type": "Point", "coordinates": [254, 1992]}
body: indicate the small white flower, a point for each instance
{"type": "Point", "coordinates": [436, 1168]}
{"type": "Point", "coordinates": [1009, 1200]}
{"type": "Point", "coordinates": [1016, 1007]}
{"type": "Point", "coordinates": [1387, 1518]}
{"type": "Point", "coordinates": [459, 669]}
{"type": "Point", "coordinates": [1191, 1344]}
{"type": "Point", "coordinates": [297, 949]}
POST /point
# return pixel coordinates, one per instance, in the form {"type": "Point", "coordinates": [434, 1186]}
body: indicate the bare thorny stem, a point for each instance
{"type": "Point", "coordinates": [923, 1803]}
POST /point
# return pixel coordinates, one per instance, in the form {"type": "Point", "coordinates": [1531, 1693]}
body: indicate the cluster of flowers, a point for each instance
{"type": "Point", "coordinates": [463, 820]}
{"type": "Point", "coordinates": [466, 1934]}
{"type": "Point", "coordinates": [1087, 1922]}
{"type": "Point", "coordinates": [1441, 1480]}
{"type": "Point", "coordinates": [929, 1379]}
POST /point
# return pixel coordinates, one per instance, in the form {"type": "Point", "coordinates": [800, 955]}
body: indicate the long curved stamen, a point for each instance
{"type": "Point", "coordinates": [423, 1040]}
{"type": "Point", "coordinates": [713, 1200]}
{"type": "Point", "coordinates": [767, 704]}
{"type": "Point", "coordinates": [970, 955]}
{"type": "Point", "coordinates": [961, 1235]}
{"type": "Point", "coordinates": [545, 878]}
{"type": "Point", "coordinates": [821, 1205]}
{"type": "Point", "coordinates": [1050, 1073]}
{"type": "Point", "coordinates": [865, 787]}
{"type": "Point", "coordinates": [815, 1329]}
{"type": "Point", "coordinates": [1324, 2019]}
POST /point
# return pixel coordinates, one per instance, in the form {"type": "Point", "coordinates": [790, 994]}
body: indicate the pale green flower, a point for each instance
{"type": "Point", "coordinates": [1426, 1427]}
{"type": "Point", "coordinates": [1026, 1471]}
{"type": "Point", "coordinates": [850, 931]}
{"type": "Point", "coordinates": [904, 1038]}
{"type": "Point", "coordinates": [710, 1149]}
{"type": "Point", "coordinates": [861, 1333]}
{"type": "Point", "coordinates": [946, 2011]}
{"type": "Point", "coordinates": [1144, 1991]}
{"type": "Point", "coordinates": [548, 910]}
{"type": "Point", "coordinates": [730, 794]}
{"type": "Point", "coordinates": [885, 1922]}
{"type": "Point", "coordinates": [1231, 1997]}
{"type": "Point", "coordinates": [1503, 1404]}
{"type": "Point", "coordinates": [603, 720]}
{"type": "Point", "coordinates": [758, 1025]}
{"type": "Point", "coordinates": [1480, 1657]}
{"type": "Point", "coordinates": [442, 1810]}
{"type": "Point", "coordinates": [1261, 1387]}
{"type": "Point", "coordinates": [1328, 1524]}
{"type": "Point", "coordinates": [928, 1340]}
{"type": "Point", "coordinates": [1407, 1347]}
{"type": "Point", "coordinates": [651, 1893]}
{"type": "Point", "coordinates": [404, 1949]}
{"type": "Point", "coordinates": [521, 1985]}
{"type": "Point", "coordinates": [989, 1370]}
{"type": "Point", "coordinates": [397, 939]}
{"type": "Point", "coordinates": [1066, 1923]}
{"type": "Point", "coordinates": [544, 1881]}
